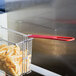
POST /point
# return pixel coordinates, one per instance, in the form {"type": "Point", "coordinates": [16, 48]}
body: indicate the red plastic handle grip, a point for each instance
{"type": "Point", "coordinates": [61, 38]}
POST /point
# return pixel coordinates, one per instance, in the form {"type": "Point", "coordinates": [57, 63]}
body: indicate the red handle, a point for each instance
{"type": "Point", "coordinates": [53, 37]}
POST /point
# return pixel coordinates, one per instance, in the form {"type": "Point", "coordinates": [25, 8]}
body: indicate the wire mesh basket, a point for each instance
{"type": "Point", "coordinates": [18, 48]}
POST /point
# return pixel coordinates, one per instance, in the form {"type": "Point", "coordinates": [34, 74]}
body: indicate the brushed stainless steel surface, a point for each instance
{"type": "Point", "coordinates": [52, 18]}
{"type": "Point", "coordinates": [12, 5]}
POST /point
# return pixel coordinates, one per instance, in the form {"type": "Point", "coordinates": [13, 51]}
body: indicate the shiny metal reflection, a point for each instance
{"type": "Point", "coordinates": [42, 71]}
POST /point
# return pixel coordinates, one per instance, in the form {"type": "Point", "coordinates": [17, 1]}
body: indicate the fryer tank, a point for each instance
{"type": "Point", "coordinates": [48, 17]}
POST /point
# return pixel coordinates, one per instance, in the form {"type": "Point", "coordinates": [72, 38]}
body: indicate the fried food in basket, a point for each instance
{"type": "Point", "coordinates": [11, 60]}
